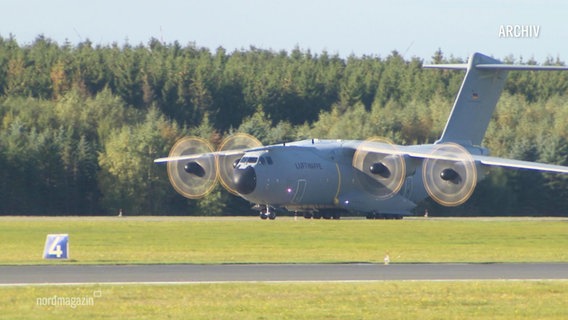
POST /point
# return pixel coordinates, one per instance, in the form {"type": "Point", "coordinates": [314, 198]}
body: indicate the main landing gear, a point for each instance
{"type": "Point", "coordinates": [265, 213]}
{"type": "Point", "coordinates": [383, 216]}
{"type": "Point", "coordinates": [327, 215]}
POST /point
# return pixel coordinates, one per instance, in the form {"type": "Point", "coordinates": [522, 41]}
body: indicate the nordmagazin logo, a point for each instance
{"type": "Point", "coordinates": [68, 301]}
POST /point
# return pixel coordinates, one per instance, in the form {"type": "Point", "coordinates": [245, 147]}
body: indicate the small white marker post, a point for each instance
{"type": "Point", "coordinates": [387, 259]}
{"type": "Point", "coordinates": [56, 246]}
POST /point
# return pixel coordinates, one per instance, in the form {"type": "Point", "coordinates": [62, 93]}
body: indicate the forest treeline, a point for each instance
{"type": "Point", "coordinates": [81, 124]}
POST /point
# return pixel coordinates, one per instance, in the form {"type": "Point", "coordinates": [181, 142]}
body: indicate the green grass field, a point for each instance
{"type": "Point", "coordinates": [246, 240]}
{"type": "Point", "coordinates": [193, 240]}
{"type": "Point", "coordinates": [375, 300]}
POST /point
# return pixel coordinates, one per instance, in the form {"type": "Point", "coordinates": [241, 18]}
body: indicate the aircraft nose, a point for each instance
{"type": "Point", "coordinates": [244, 180]}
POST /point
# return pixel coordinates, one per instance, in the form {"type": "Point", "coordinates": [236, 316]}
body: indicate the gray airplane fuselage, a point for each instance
{"type": "Point", "coordinates": [318, 174]}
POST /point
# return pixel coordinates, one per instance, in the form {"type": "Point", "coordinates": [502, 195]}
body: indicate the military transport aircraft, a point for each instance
{"type": "Point", "coordinates": [323, 178]}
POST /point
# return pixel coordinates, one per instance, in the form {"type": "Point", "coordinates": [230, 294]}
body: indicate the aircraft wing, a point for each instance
{"type": "Point", "coordinates": [424, 152]}
{"type": "Point", "coordinates": [200, 155]}
{"type": "Point", "coordinates": [188, 157]}
{"type": "Point", "coordinates": [210, 154]}
{"type": "Point", "coordinates": [496, 161]}
{"type": "Point", "coordinates": [510, 163]}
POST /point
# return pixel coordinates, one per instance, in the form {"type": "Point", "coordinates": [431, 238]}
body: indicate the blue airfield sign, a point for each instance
{"type": "Point", "coordinates": [56, 246]}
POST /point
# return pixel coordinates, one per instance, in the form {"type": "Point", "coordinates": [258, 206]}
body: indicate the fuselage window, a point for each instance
{"type": "Point", "coordinates": [261, 160]}
{"type": "Point", "coordinates": [252, 160]}
{"type": "Point", "coordinates": [269, 160]}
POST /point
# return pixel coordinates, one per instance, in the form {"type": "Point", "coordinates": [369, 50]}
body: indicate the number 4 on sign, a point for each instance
{"type": "Point", "coordinates": [56, 246]}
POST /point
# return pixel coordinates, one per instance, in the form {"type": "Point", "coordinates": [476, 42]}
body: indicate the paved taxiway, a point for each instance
{"type": "Point", "coordinates": [54, 274]}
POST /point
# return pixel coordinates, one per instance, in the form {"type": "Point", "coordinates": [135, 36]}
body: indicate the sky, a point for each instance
{"type": "Point", "coordinates": [415, 28]}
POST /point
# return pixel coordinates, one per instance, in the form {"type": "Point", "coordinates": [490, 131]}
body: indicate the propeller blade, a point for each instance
{"type": "Point", "coordinates": [238, 142]}
{"type": "Point", "coordinates": [450, 176]}
{"type": "Point", "coordinates": [192, 177]}
{"type": "Point", "coordinates": [381, 167]}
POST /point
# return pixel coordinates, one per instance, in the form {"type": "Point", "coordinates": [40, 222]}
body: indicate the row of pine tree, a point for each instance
{"type": "Point", "coordinates": [81, 124]}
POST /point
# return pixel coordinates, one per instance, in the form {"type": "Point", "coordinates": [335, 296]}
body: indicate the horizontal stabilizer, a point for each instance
{"type": "Point", "coordinates": [460, 66]}
{"type": "Point", "coordinates": [513, 67]}
{"type": "Point", "coordinates": [504, 67]}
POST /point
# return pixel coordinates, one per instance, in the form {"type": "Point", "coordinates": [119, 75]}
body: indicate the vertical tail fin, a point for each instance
{"type": "Point", "coordinates": [480, 90]}
{"type": "Point", "coordinates": [476, 101]}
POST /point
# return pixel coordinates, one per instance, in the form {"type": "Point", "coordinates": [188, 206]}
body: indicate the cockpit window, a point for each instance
{"type": "Point", "coordinates": [254, 160]}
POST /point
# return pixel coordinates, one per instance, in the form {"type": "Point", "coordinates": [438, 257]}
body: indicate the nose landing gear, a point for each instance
{"type": "Point", "coordinates": [265, 213]}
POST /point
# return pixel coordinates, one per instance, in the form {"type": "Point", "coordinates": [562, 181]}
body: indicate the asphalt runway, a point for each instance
{"type": "Point", "coordinates": [187, 273]}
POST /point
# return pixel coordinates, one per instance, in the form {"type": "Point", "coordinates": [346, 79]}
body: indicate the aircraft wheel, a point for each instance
{"type": "Point", "coordinates": [263, 216]}
{"type": "Point", "coordinates": [317, 215]}
{"type": "Point", "coordinates": [336, 216]}
{"type": "Point", "coordinates": [326, 215]}
{"type": "Point", "coordinates": [272, 216]}
{"type": "Point", "coordinates": [308, 215]}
